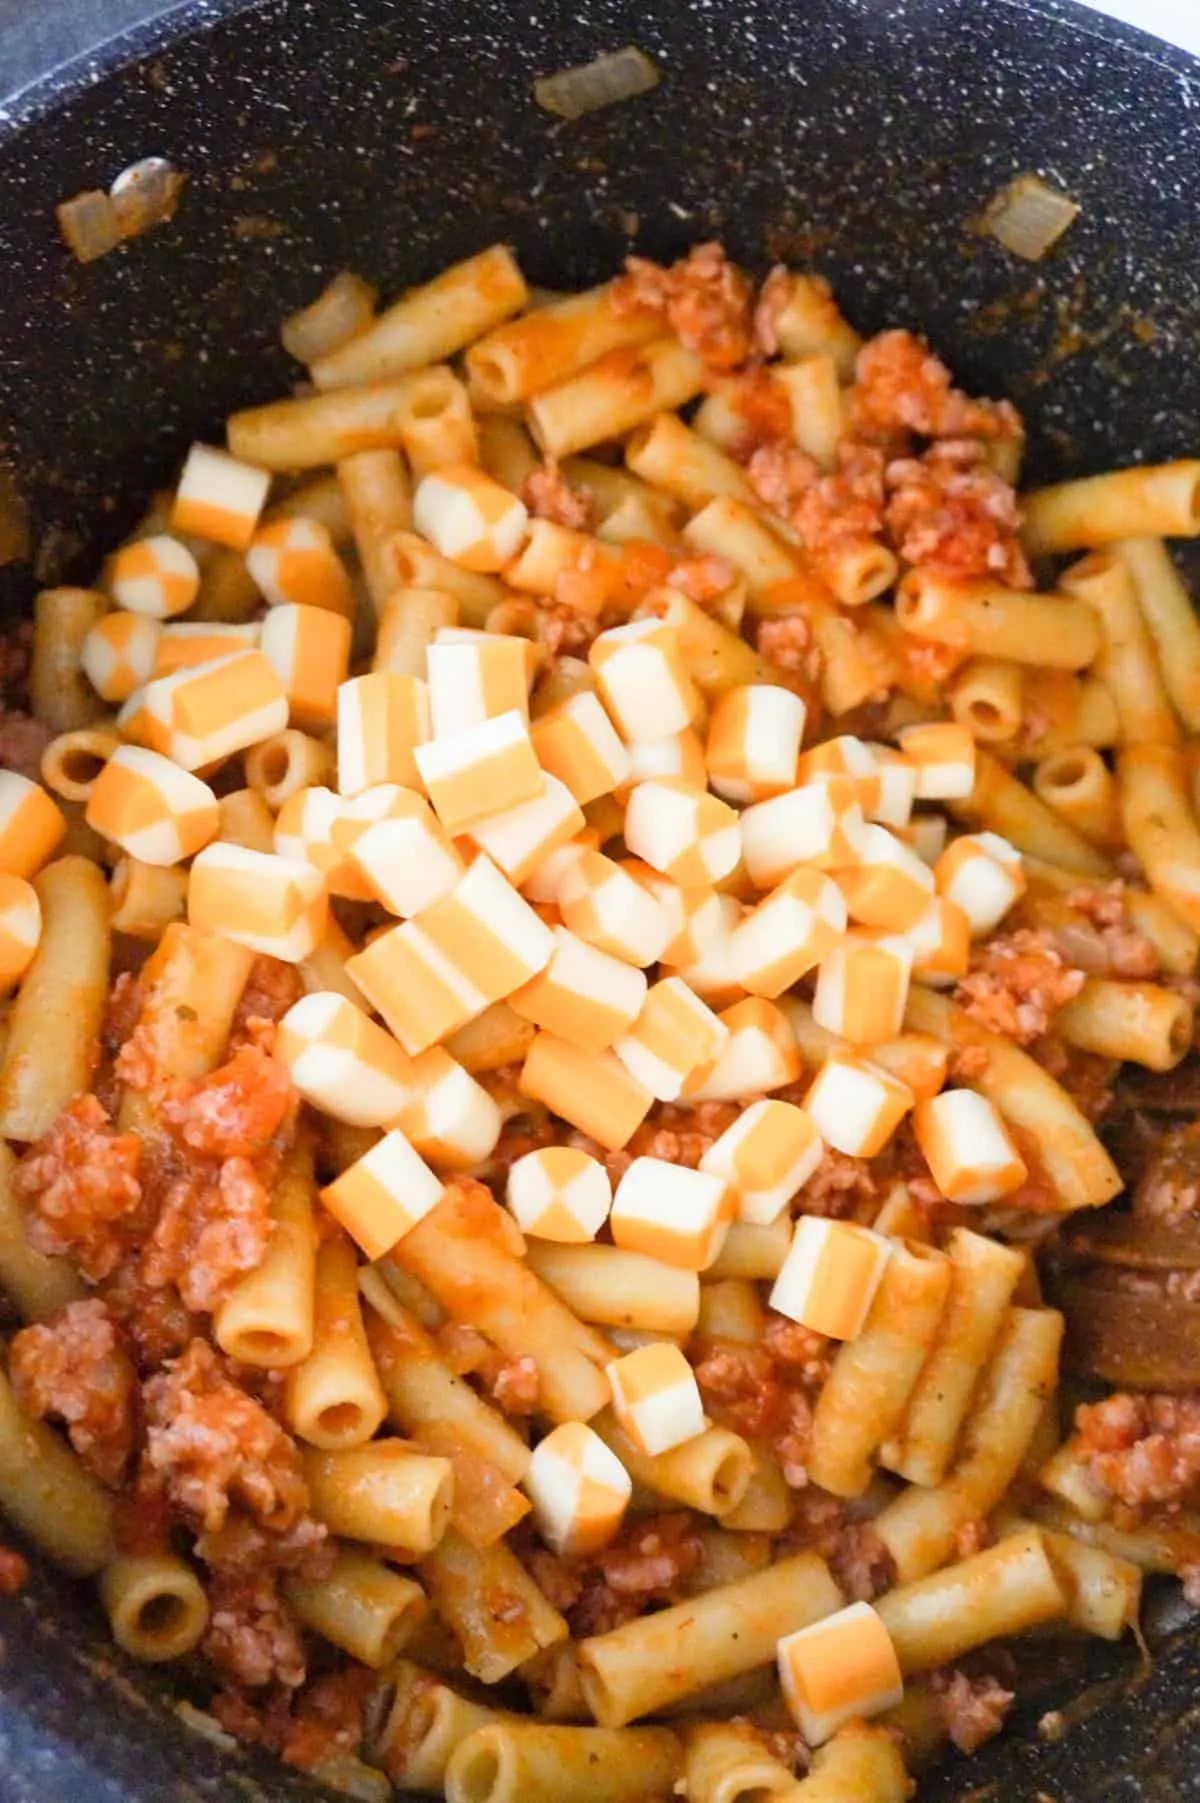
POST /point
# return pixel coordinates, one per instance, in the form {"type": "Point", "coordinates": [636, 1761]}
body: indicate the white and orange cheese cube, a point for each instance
{"type": "Point", "coordinates": [887, 886]}
{"type": "Point", "coordinates": [918, 1059]}
{"type": "Point", "coordinates": [467, 516]}
{"type": "Point", "coordinates": [119, 654]}
{"type": "Point", "coordinates": [294, 563]}
{"type": "Point", "coordinates": [897, 784]}
{"type": "Point", "coordinates": [577, 742]}
{"type": "Point", "coordinates": [968, 1148]}
{"type": "Point", "coordinates": [944, 755]}
{"type": "Point", "coordinates": [856, 1105]}
{"type": "Point", "coordinates": [696, 913]}
{"type": "Point", "coordinates": [839, 1669]}
{"type": "Point", "coordinates": [157, 577]}
{"type": "Point", "coordinates": [471, 948]}
{"type": "Point", "coordinates": [711, 975]}
{"type": "Point", "coordinates": [219, 497]}
{"type": "Point", "coordinates": [204, 714]}
{"type": "Point", "coordinates": [258, 900]}
{"type": "Point", "coordinates": [769, 1153]}
{"type": "Point", "coordinates": [982, 874]}
{"type": "Point", "coordinates": [656, 1397]}
{"type": "Point", "coordinates": [671, 1213]}
{"type": "Point", "coordinates": [383, 1194]}
{"type": "Point", "coordinates": [603, 904]}
{"type": "Point", "coordinates": [20, 928]}
{"type": "Point", "coordinates": [788, 933]}
{"type": "Point", "coordinates": [844, 756]}
{"type": "Point", "coordinates": [309, 650]}
{"type": "Point", "coordinates": [691, 836]}
{"type": "Point", "coordinates": [674, 1035]}
{"type": "Point", "coordinates": [151, 808]}
{"type": "Point", "coordinates": [754, 735]}
{"type": "Point", "coordinates": [544, 884]}
{"type": "Point", "coordinates": [181, 647]}
{"type": "Point", "coordinates": [476, 676]}
{"type": "Point", "coordinates": [760, 1055]}
{"type": "Point", "coordinates": [820, 824]}
{"type": "Point", "coordinates": [830, 1276]}
{"type": "Point", "coordinates": [941, 944]}
{"type": "Point", "coordinates": [579, 1490]}
{"type": "Point", "coordinates": [381, 719]}
{"type": "Point", "coordinates": [398, 848]}
{"type": "Point", "coordinates": [304, 833]}
{"type": "Point", "coordinates": [591, 1091]}
{"type": "Point", "coordinates": [450, 1118]}
{"type": "Point", "coordinates": [488, 769]}
{"type": "Point", "coordinates": [680, 756]}
{"type": "Point", "coordinates": [521, 840]}
{"type": "Point", "coordinates": [31, 825]}
{"type": "Point", "coordinates": [862, 988]}
{"type": "Point", "coordinates": [342, 1062]}
{"type": "Point", "coordinates": [644, 680]}
{"type": "Point", "coordinates": [584, 995]}
{"type": "Point", "coordinates": [559, 1193]}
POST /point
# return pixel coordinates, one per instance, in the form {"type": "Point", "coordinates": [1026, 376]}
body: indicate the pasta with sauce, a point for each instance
{"type": "Point", "coordinates": [528, 1194]}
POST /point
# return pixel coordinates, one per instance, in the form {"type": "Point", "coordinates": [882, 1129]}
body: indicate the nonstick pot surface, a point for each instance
{"type": "Point", "coordinates": [859, 137]}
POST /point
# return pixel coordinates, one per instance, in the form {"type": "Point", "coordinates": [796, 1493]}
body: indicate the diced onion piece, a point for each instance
{"type": "Point", "coordinates": [617, 75]}
{"type": "Point", "coordinates": [89, 224]}
{"type": "Point", "coordinates": [146, 194]}
{"type": "Point", "coordinates": [343, 310]}
{"type": "Point", "coordinates": [1028, 217]}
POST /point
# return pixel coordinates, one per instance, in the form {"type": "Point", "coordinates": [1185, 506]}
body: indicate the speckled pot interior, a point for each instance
{"type": "Point", "coordinates": [857, 136]}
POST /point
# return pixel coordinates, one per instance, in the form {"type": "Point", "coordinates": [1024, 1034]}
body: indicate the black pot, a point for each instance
{"type": "Point", "coordinates": [857, 136]}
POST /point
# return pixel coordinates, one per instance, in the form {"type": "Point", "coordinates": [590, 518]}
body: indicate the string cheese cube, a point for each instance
{"type": "Point", "coordinates": [968, 1148]}
{"type": "Point", "coordinates": [944, 755]}
{"type": "Point", "coordinates": [119, 654]}
{"type": "Point", "coordinates": [862, 988]}
{"type": "Point", "coordinates": [679, 755]}
{"type": "Point", "coordinates": [578, 1488]}
{"type": "Point", "coordinates": [151, 808]}
{"type": "Point", "coordinates": [181, 646]}
{"type": "Point", "coordinates": [381, 719]}
{"type": "Point", "coordinates": [753, 747]}
{"type": "Point", "coordinates": [656, 1397]}
{"type": "Point", "coordinates": [157, 577]}
{"type": "Point", "coordinates": [31, 825]}
{"type": "Point", "coordinates": [475, 678]}
{"type": "Point", "coordinates": [686, 833]}
{"type": "Point", "coordinates": [20, 928]}
{"type": "Point", "coordinates": [888, 886]}
{"type": "Point", "coordinates": [203, 714]}
{"type": "Point", "coordinates": [897, 783]}
{"type": "Point", "coordinates": [520, 840]}
{"type": "Point", "coordinates": [591, 1091]}
{"type": "Point", "coordinates": [644, 680]}
{"type": "Point", "coordinates": [258, 900]}
{"type": "Point", "coordinates": [856, 1105]}
{"type": "Point", "coordinates": [839, 1669]}
{"type": "Point", "coordinates": [583, 995]}
{"type": "Point", "coordinates": [450, 1118]}
{"type": "Point", "coordinates": [219, 497]}
{"type": "Point", "coordinates": [469, 517]}
{"type": "Point", "coordinates": [696, 913]}
{"type": "Point", "coordinates": [711, 975]}
{"type": "Point", "coordinates": [577, 742]}
{"type": "Point", "coordinates": [830, 1276]}
{"type": "Point", "coordinates": [790, 931]}
{"type": "Point", "coordinates": [982, 874]}
{"type": "Point", "coordinates": [672, 1213]}
{"type": "Point", "coordinates": [485, 770]}
{"type": "Point", "coordinates": [820, 824]}
{"type": "Point", "coordinates": [342, 1062]}
{"type": "Point", "coordinates": [941, 944]}
{"type": "Point", "coordinates": [760, 1055]}
{"type": "Point", "coordinates": [768, 1154]}
{"type": "Point", "coordinates": [304, 833]}
{"type": "Point", "coordinates": [844, 756]}
{"type": "Point", "coordinates": [309, 650]}
{"type": "Point", "coordinates": [294, 563]}
{"type": "Point", "coordinates": [405, 858]}
{"type": "Point", "coordinates": [674, 1035]}
{"type": "Point", "coordinates": [603, 904]}
{"type": "Point", "coordinates": [559, 1193]}
{"type": "Point", "coordinates": [383, 1194]}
